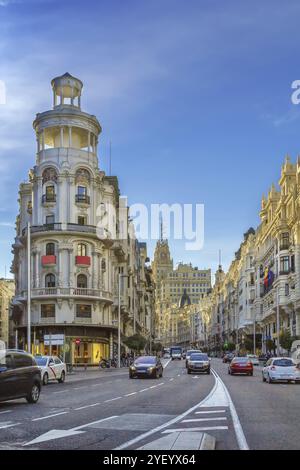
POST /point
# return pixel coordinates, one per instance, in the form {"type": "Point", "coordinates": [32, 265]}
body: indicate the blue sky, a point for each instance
{"type": "Point", "coordinates": [194, 95]}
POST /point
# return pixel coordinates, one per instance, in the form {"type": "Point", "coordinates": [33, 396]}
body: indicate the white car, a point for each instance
{"type": "Point", "coordinates": [254, 359]}
{"type": "Point", "coordinates": [281, 368]}
{"type": "Point", "coordinates": [52, 368]}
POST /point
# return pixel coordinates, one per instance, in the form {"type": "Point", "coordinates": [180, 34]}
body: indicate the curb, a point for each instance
{"type": "Point", "coordinates": [208, 442]}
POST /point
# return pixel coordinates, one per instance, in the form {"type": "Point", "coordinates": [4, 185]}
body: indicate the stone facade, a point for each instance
{"type": "Point", "coordinates": [262, 284]}
{"type": "Point", "coordinates": [81, 239]}
{"type": "Point", "coordinates": [7, 289]}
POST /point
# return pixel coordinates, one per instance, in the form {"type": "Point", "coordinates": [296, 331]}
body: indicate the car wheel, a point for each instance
{"type": "Point", "coordinates": [45, 378]}
{"type": "Point", "coordinates": [208, 372]}
{"type": "Point", "coordinates": [34, 394]}
{"type": "Point", "coordinates": [62, 377]}
{"type": "Point", "coordinates": [229, 371]}
{"type": "Point", "coordinates": [251, 374]}
{"type": "Point", "coordinates": [263, 378]}
{"type": "Point", "coordinates": [130, 376]}
{"type": "Point", "coordinates": [188, 371]}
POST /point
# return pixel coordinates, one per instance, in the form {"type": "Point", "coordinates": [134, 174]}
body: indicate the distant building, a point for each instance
{"type": "Point", "coordinates": [7, 290]}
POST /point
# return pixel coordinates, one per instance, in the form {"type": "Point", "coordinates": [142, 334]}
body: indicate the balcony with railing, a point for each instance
{"type": "Point", "coordinates": [57, 227]}
{"type": "Point", "coordinates": [82, 260]}
{"type": "Point", "coordinates": [48, 260]}
{"type": "Point", "coordinates": [48, 198]}
{"type": "Point", "coordinates": [61, 292]}
{"type": "Point", "coordinates": [82, 199]}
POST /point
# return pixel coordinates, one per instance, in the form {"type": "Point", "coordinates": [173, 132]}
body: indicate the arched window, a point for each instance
{"type": "Point", "coordinates": [82, 281]}
{"type": "Point", "coordinates": [50, 249]}
{"type": "Point", "coordinates": [50, 280]}
{"type": "Point", "coordinates": [81, 249]}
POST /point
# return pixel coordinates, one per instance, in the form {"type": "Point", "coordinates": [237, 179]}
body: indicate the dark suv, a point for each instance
{"type": "Point", "coordinates": [20, 377]}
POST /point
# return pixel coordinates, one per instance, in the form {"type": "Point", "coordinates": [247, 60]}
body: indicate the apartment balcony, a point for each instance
{"type": "Point", "coordinates": [48, 199]}
{"type": "Point", "coordinates": [82, 199]}
{"type": "Point", "coordinates": [57, 227]}
{"type": "Point", "coordinates": [83, 261]}
{"type": "Point", "coordinates": [67, 292]}
{"type": "Point", "coordinates": [48, 260]}
{"type": "Point", "coordinates": [284, 246]}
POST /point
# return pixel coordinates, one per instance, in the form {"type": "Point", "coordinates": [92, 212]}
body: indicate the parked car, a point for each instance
{"type": "Point", "coordinates": [240, 365]}
{"type": "Point", "coordinates": [281, 369]}
{"type": "Point", "coordinates": [228, 358]}
{"type": "Point", "coordinates": [146, 366]}
{"type": "Point", "coordinates": [52, 368]}
{"type": "Point", "coordinates": [254, 359]}
{"type": "Point", "coordinates": [188, 355]}
{"type": "Point", "coordinates": [20, 376]}
{"type": "Point", "coordinates": [263, 358]}
{"type": "Point", "coordinates": [198, 362]}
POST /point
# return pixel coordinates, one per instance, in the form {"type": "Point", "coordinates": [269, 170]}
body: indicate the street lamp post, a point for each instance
{"type": "Point", "coordinates": [28, 289]}
{"type": "Point", "coordinates": [119, 318]}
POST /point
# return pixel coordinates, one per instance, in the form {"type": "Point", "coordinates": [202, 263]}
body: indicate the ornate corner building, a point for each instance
{"type": "Point", "coordinates": [81, 240]}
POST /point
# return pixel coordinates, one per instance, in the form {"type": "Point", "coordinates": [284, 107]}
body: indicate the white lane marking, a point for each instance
{"type": "Point", "coordinates": [171, 380]}
{"type": "Point", "coordinates": [208, 412]}
{"type": "Point", "coordinates": [129, 394]}
{"type": "Point", "coordinates": [154, 386]}
{"type": "Point", "coordinates": [59, 433]}
{"type": "Point", "coordinates": [240, 436]}
{"type": "Point", "coordinates": [196, 420]}
{"type": "Point", "coordinates": [79, 388]}
{"type": "Point", "coordinates": [6, 411]}
{"type": "Point", "coordinates": [113, 399]}
{"type": "Point", "coordinates": [143, 390]}
{"type": "Point", "coordinates": [86, 406]}
{"type": "Point", "coordinates": [161, 383]}
{"type": "Point", "coordinates": [178, 375]}
{"type": "Point", "coordinates": [206, 428]}
{"type": "Point", "coordinates": [50, 416]}
{"type": "Point", "coordinates": [165, 365]}
{"type": "Point", "coordinates": [63, 391]}
{"type": "Point", "coordinates": [167, 424]}
{"type": "Point", "coordinates": [4, 426]}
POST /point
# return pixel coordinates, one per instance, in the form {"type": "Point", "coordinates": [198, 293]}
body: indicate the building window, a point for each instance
{"type": "Point", "coordinates": [82, 281]}
{"type": "Point", "coordinates": [81, 249]}
{"type": "Point", "coordinates": [50, 249]}
{"type": "Point", "coordinates": [48, 311]}
{"type": "Point", "coordinates": [293, 263]}
{"type": "Point", "coordinates": [50, 194]}
{"type": "Point", "coordinates": [81, 220]}
{"type": "Point", "coordinates": [284, 241]}
{"type": "Point", "coordinates": [50, 219]}
{"type": "Point", "coordinates": [284, 264]}
{"type": "Point", "coordinates": [83, 311]}
{"type": "Point", "coordinates": [50, 280]}
{"type": "Point", "coordinates": [287, 289]}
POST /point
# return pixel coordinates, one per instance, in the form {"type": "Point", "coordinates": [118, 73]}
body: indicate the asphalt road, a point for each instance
{"type": "Point", "coordinates": [109, 411]}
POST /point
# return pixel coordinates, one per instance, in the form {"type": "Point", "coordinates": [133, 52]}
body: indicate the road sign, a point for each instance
{"type": "Point", "coordinates": [54, 340]}
{"type": "Point", "coordinates": [77, 341]}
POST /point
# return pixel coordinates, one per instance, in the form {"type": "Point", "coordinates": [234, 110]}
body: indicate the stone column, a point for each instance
{"type": "Point", "coordinates": [111, 344]}
{"type": "Point", "coordinates": [70, 136]}
{"type": "Point", "coordinates": [61, 136]}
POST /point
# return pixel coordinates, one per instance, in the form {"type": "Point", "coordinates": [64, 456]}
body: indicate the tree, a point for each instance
{"type": "Point", "coordinates": [270, 345]}
{"type": "Point", "coordinates": [156, 347]}
{"type": "Point", "coordinates": [286, 339]}
{"type": "Point", "coordinates": [135, 342]}
{"type": "Point", "coordinates": [230, 346]}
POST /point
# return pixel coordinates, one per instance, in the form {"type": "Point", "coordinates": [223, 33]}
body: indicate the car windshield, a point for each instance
{"type": "Point", "coordinates": [41, 361]}
{"type": "Point", "coordinates": [145, 360]}
{"type": "Point", "coordinates": [176, 351]}
{"type": "Point", "coordinates": [283, 363]}
{"type": "Point", "coordinates": [241, 359]}
{"type": "Point", "coordinates": [199, 357]}
{"type": "Point", "coordinates": [193, 351]}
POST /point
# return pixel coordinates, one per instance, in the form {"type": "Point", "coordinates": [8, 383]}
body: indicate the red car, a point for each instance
{"type": "Point", "coordinates": [240, 365]}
